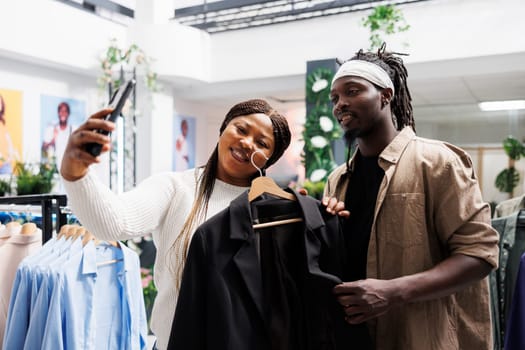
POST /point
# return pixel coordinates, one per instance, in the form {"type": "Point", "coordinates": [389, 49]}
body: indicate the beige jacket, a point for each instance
{"type": "Point", "coordinates": [428, 207]}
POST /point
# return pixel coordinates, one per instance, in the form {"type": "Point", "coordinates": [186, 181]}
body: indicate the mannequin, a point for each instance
{"type": "Point", "coordinates": [13, 227]}
{"type": "Point", "coordinates": [28, 228]}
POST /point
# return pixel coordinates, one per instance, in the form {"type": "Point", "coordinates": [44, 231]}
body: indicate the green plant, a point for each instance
{"type": "Point", "coordinates": [509, 178]}
{"type": "Point", "coordinates": [320, 128]}
{"type": "Point", "coordinates": [5, 187]}
{"type": "Point", "coordinates": [384, 20]}
{"type": "Point", "coordinates": [149, 291]}
{"type": "Point", "coordinates": [134, 56]}
{"type": "Point", "coordinates": [318, 86]}
{"type": "Point", "coordinates": [315, 189]}
{"type": "Point", "coordinates": [37, 178]}
{"type": "Point", "coordinates": [513, 148]}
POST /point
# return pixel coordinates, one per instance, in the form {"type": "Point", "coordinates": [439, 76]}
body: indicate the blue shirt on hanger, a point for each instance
{"type": "Point", "coordinates": [97, 306]}
{"type": "Point", "coordinates": [47, 273]}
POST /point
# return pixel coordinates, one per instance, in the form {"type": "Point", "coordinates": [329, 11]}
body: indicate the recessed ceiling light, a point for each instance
{"type": "Point", "coordinates": [502, 105]}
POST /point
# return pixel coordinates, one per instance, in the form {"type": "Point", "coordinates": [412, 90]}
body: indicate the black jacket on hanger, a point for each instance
{"type": "Point", "coordinates": [223, 302]}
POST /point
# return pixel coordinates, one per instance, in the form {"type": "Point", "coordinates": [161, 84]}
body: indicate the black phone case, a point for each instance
{"type": "Point", "coordinates": [117, 103]}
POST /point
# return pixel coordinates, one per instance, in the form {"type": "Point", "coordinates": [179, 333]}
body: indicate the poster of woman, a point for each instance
{"type": "Point", "coordinates": [184, 144]}
{"type": "Point", "coordinates": [59, 117]}
{"type": "Point", "coordinates": [10, 129]}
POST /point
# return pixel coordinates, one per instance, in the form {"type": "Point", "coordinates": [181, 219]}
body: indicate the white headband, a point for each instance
{"type": "Point", "coordinates": [366, 70]}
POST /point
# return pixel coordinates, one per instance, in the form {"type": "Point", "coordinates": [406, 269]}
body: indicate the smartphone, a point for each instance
{"type": "Point", "coordinates": [116, 102]}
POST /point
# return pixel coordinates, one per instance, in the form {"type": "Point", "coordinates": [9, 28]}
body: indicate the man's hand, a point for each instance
{"type": "Point", "coordinates": [335, 207]}
{"type": "Point", "coordinates": [366, 299]}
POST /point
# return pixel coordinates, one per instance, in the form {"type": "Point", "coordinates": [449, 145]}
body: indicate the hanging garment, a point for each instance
{"type": "Point", "coordinates": [502, 281]}
{"type": "Point", "coordinates": [31, 274]}
{"type": "Point", "coordinates": [12, 252]}
{"type": "Point", "coordinates": [514, 334]}
{"type": "Point", "coordinates": [226, 301]}
{"type": "Point", "coordinates": [72, 296]}
{"type": "Point", "coordinates": [509, 206]}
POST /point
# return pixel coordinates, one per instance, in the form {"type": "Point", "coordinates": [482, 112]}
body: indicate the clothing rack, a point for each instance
{"type": "Point", "coordinates": [49, 204]}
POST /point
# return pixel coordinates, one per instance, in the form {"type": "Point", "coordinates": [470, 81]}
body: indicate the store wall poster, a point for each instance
{"type": "Point", "coordinates": [10, 129]}
{"type": "Point", "coordinates": [184, 142]}
{"type": "Point", "coordinates": [59, 117]}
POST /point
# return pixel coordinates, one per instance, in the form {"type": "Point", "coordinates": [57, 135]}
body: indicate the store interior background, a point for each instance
{"type": "Point", "coordinates": [462, 52]}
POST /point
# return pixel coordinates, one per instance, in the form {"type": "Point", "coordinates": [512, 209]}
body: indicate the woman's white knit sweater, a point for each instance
{"type": "Point", "coordinates": [159, 205]}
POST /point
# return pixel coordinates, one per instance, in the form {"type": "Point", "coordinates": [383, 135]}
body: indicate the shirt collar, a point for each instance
{"type": "Point", "coordinates": [393, 151]}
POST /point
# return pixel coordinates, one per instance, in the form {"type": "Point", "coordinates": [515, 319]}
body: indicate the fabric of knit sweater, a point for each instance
{"type": "Point", "coordinates": [159, 205]}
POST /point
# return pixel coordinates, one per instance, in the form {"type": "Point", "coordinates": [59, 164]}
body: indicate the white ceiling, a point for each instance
{"type": "Point", "coordinates": [442, 91]}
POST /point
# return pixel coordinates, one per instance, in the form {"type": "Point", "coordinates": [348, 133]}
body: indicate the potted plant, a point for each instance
{"type": "Point", "coordinates": [35, 178]}
{"type": "Point", "coordinates": [5, 187]}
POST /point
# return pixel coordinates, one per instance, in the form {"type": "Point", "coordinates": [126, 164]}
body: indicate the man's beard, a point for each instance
{"type": "Point", "coordinates": [351, 136]}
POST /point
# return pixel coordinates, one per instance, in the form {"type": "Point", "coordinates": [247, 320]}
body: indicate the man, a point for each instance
{"type": "Point", "coordinates": [419, 236]}
{"type": "Point", "coordinates": [56, 135]}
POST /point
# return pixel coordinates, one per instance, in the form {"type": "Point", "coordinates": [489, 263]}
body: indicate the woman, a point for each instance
{"type": "Point", "coordinates": [172, 205]}
{"type": "Point", "coordinates": [8, 153]}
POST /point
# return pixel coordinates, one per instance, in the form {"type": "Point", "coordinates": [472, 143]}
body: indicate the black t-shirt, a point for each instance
{"type": "Point", "coordinates": [361, 196]}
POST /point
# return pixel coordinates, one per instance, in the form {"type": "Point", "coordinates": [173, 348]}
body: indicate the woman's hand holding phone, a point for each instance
{"type": "Point", "coordinates": [92, 138]}
{"type": "Point", "coordinates": [76, 159]}
{"type": "Point", "coordinates": [116, 105]}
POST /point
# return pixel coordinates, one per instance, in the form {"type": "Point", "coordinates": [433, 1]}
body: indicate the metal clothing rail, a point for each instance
{"type": "Point", "coordinates": [49, 204]}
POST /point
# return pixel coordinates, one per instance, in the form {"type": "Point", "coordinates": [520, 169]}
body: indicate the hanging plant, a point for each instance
{"type": "Point", "coordinates": [116, 57]}
{"type": "Point", "coordinates": [384, 20]}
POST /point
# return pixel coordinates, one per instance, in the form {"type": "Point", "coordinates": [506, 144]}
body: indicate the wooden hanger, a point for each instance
{"type": "Point", "coordinates": [63, 231]}
{"type": "Point", "coordinates": [67, 231]}
{"type": "Point", "coordinates": [78, 232]}
{"type": "Point", "coordinates": [264, 184]}
{"type": "Point", "coordinates": [88, 236]}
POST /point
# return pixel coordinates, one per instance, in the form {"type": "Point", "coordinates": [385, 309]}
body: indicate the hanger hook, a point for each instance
{"type": "Point", "coordinates": [253, 162]}
{"type": "Point", "coordinates": [29, 215]}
